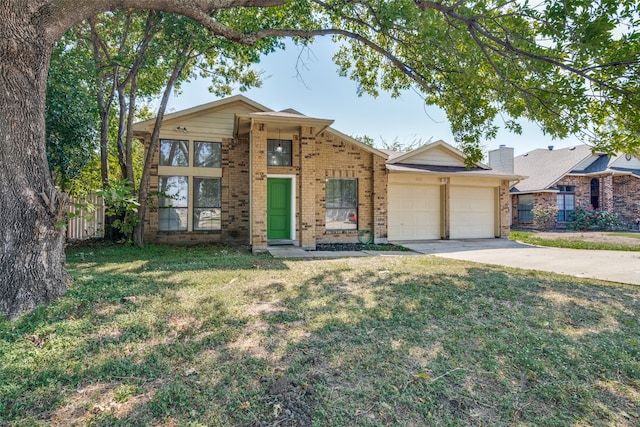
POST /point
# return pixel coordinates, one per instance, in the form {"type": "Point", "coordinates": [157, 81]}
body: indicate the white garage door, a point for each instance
{"type": "Point", "coordinates": [472, 212]}
{"type": "Point", "coordinates": [414, 211]}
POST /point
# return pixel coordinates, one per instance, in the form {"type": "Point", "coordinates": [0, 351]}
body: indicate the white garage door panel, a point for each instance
{"type": "Point", "coordinates": [472, 212]}
{"type": "Point", "coordinates": [414, 212]}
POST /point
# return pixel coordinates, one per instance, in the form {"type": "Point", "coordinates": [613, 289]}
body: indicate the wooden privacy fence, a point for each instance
{"type": "Point", "coordinates": [86, 218]}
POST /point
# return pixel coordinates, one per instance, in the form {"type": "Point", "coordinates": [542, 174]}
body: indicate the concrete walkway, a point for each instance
{"type": "Point", "coordinates": [297, 252]}
{"type": "Point", "coordinates": [613, 266]}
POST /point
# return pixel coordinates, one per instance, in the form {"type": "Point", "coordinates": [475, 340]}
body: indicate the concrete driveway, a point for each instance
{"type": "Point", "coordinates": [614, 266]}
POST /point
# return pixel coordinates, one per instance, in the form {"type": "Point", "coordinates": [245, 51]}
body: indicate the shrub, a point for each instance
{"type": "Point", "coordinates": [590, 219]}
{"type": "Point", "coordinates": [544, 218]}
{"type": "Point", "coordinates": [120, 202]}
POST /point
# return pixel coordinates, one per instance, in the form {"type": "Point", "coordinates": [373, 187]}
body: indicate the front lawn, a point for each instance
{"type": "Point", "coordinates": [216, 337]}
{"type": "Point", "coordinates": [580, 240]}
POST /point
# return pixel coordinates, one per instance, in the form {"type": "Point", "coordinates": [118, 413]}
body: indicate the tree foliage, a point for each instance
{"type": "Point", "coordinates": [71, 116]}
{"type": "Point", "coordinates": [572, 67]}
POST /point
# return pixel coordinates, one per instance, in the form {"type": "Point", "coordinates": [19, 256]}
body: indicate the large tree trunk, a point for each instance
{"type": "Point", "coordinates": [32, 257]}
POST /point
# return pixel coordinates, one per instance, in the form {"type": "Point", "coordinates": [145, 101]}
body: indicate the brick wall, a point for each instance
{"type": "Point", "coordinates": [338, 158]}
{"type": "Point", "coordinates": [626, 198]}
{"type": "Point", "coordinates": [619, 194]}
{"type": "Point", "coordinates": [258, 187]}
{"type": "Point", "coordinates": [504, 202]}
{"type": "Point", "coordinates": [314, 160]}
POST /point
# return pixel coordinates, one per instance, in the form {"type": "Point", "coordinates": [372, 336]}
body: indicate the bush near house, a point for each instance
{"type": "Point", "coordinates": [544, 218]}
{"type": "Point", "coordinates": [583, 219]}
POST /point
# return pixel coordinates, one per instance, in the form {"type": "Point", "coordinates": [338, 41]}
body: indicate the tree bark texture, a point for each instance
{"type": "Point", "coordinates": [32, 258]}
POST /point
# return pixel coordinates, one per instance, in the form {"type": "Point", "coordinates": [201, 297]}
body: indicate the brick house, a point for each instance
{"type": "Point", "coordinates": [575, 176]}
{"type": "Point", "coordinates": [235, 171]}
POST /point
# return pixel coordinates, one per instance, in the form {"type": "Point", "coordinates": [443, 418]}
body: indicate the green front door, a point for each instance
{"type": "Point", "coordinates": [278, 208]}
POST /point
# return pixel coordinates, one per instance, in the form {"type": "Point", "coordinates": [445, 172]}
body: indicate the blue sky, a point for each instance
{"type": "Point", "coordinates": [308, 82]}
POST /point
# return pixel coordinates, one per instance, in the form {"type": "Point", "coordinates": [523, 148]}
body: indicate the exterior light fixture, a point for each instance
{"type": "Point", "coordinates": [279, 147]}
{"type": "Point", "coordinates": [181, 128]}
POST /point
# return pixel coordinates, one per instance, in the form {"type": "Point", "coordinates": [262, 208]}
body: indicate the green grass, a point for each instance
{"type": "Point", "coordinates": [533, 239]}
{"type": "Point", "coordinates": [216, 337]}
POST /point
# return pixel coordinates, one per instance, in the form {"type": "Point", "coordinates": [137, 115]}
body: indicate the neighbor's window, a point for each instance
{"type": "Point", "coordinates": [174, 153]}
{"type": "Point", "coordinates": [207, 203]}
{"type": "Point", "coordinates": [207, 154]}
{"type": "Point", "coordinates": [566, 202]}
{"type": "Point", "coordinates": [341, 204]}
{"type": "Point", "coordinates": [278, 152]}
{"type": "Point", "coordinates": [173, 204]}
{"type": "Point", "coordinates": [595, 193]}
{"type": "Point", "coordinates": [525, 207]}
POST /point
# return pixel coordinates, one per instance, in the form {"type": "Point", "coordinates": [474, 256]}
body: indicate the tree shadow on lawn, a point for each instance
{"type": "Point", "coordinates": [413, 342]}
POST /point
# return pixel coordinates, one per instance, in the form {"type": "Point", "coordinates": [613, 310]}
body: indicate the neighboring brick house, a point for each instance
{"type": "Point", "coordinates": [575, 176]}
{"type": "Point", "coordinates": [234, 171]}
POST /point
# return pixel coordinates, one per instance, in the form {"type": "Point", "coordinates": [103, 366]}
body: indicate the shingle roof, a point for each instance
{"type": "Point", "coordinates": [449, 170]}
{"type": "Point", "coordinates": [544, 167]}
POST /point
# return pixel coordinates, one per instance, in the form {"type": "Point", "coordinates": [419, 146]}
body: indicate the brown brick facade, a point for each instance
{"type": "Point", "coordinates": [619, 194]}
{"type": "Point", "coordinates": [626, 198]}
{"type": "Point", "coordinates": [315, 158]}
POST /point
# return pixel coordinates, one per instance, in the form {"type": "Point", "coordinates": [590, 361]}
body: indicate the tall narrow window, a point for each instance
{"type": "Point", "coordinates": [174, 153]}
{"type": "Point", "coordinates": [341, 204]}
{"type": "Point", "coordinates": [206, 203]}
{"type": "Point", "coordinates": [278, 152]}
{"type": "Point", "coordinates": [566, 202]}
{"type": "Point", "coordinates": [595, 193]}
{"type": "Point", "coordinates": [173, 204]}
{"type": "Point", "coordinates": [525, 208]}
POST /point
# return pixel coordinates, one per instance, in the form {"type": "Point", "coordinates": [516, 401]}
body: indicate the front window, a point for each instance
{"type": "Point", "coordinates": [174, 153]}
{"type": "Point", "coordinates": [173, 203]}
{"type": "Point", "coordinates": [278, 152]}
{"type": "Point", "coordinates": [206, 204]}
{"type": "Point", "coordinates": [595, 193]}
{"type": "Point", "coordinates": [190, 185]}
{"type": "Point", "coordinates": [525, 208]}
{"type": "Point", "coordinates": [207, 154]}
{"type": "Point", "coordinates": [566, 202]}
{"type": "Point", "coordinates": [341, 204]}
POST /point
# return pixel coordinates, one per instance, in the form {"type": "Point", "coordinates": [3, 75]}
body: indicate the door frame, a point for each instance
{"type": "Point", "coordinates": [292, 179]}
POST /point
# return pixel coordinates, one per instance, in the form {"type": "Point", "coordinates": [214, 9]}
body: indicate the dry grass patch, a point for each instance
{"type": "Point", "coordinates": [217, 337]}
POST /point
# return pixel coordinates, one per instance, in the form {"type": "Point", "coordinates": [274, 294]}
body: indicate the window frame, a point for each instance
{"type": "Point", "coordinates": [565, 193]}
{"type": "Point", "coordinates": [171, 205]}
{"type": "Point", "coordinates": [286, 152]}
{"type": "Point", "coordinates": [594, 196]}
{"type": "Point", "coordinates": [161, 163]}
{"type": "Point", "coordinates": [525, 210]}
{"type": "Point", "coordinates": [192, 171]}
{"type": "Point", "coordinates": [218, 163]}
{"type": "Point", "coordinates": [216, 206]}
{"type": "Point", "coordinates": [351, 212]}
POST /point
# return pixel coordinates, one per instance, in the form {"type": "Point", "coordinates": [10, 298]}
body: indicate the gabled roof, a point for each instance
{"type": "Point", "coordinates": [440, 158]}
{"type": "Point", "coordinates": [147, 125]}
{"type": "Point", "coordinates": [288, 115]}
{"type": "Point", "coordinates": [545, 167]}
{"type": "Point", "coordinates": [421, 155]}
